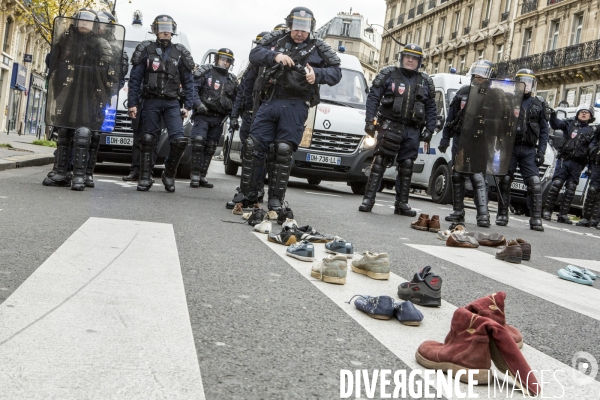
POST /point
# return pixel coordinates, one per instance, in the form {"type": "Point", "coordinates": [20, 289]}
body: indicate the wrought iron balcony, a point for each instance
{"type": "Point", "coordinates": [504, 16]}
{"type": "Point", "coordinates": [390, 24]}
{"type": "Point", "coordinates": [484, 24]}
{"type": "Point", "coordinates": [550, 2]}
{"type": "Point", "coordinates": [454, 34]}
{"type": "Point", "coordinates": [400, 19]}
{"type": "Point", "coordinates": [529, 6]}
{"type": "Point", "coordinates": [431, 4]}
{"type": "Point", "coordinates": [411, 13]}
{"type": "Point", "coordinates": [440, 40]}
{"type": "Point", "coordinates": [563, 57]}
{"type": "Point", "coordinates": [420, 8]}
{"type": "Point", "coordinates": [467, 30]}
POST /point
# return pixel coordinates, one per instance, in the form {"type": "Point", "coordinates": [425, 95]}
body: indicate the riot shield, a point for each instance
{"type": "Point", "coordinates": [487, 136]}
{"type": "Point", "coordinates": [84, 74]}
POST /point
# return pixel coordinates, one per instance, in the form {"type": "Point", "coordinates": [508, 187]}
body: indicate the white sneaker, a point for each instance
{"type": "Point", "coordinates": [264, 227]}
{"type": "Point", "coordinates": [290, 223]}
{"type": "Point", "coordinates": [246, 215]}
{"type": "Point", "coordinates": [272, 215]}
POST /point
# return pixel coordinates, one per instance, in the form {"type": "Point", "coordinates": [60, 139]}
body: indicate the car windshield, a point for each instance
{"type": "Point", "coordinates": [351, 91]}
{"type": "Point", "coordinates": [130, 48]}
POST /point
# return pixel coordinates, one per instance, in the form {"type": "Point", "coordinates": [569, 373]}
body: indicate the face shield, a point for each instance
{"type": "Point", "coordinates": [165, 26]}
{"type": "Point", "coordinates": [482, 70]}
{"type": "Point", "coordinates": [85, 20]}
{"type": "Point", "coordinates": [301, 21]}
{"type": "Point", "coordinates": [529, 81]}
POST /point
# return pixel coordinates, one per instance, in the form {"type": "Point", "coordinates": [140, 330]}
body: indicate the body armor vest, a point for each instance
{"type": "Point", "coordinates": [576, 146]}
{"type": "Point", "coordinates": [217, 91]}
{"type": "Point", "coordinates": [162, 77]}
{"type": "Point", "coordinates": [406, 103]}
{"type": "Point", "coordinates": [528, 124]}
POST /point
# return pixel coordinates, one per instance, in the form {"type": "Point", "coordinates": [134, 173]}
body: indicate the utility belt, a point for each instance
{"type": "Point", "coordinates": [158, 96]}
{"type": "Point", "coordinates": [522, 142]}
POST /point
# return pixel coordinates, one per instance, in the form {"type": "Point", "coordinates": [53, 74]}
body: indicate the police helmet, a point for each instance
{"type": "Point", "coordinates": [414, 50]}
{"type": "Point", "coordinates": [301, 19]}
{"type": "Point", "coordinates": [280, 27]}
{"type": "Point", "coordinates": [85, 18]}
{"type": "Point", "coordinates": [588, 108]}
{"type": "Point", "coordinates": [483, 68]}
{"type": "Point", "coordinates": [226, 54]}
{"type": "Point", "coordinates": [260, 36]}
{"type": "Point", "coordinates": [164, 23]}
{"type": "Point", "coordinates": [527, 76]}
{"type": "Point", "coordinates": [106, 17]}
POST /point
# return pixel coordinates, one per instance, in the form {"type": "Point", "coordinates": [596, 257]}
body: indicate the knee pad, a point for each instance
{"type": "Point", "coordinates": [252, 148]}
{"type": "Point", "coordinates": [378, 165]}
{"type": "Point", "coordinates": [147, 142]}
{"type": "Point", "coordinates": [557, 183]}
{"type": "Point", "coordinates": [198, 143]}
{"type": "Point", "coordinates": [95, 139]}
{"type": "Point", "coordinates": [405, 167]}
{"type": "Point", "coordinates": [283, 152]}
{"type": "Point", "coordinates": [211, 147]}
{"type": "Point", "coordinates": [82, 136]}
{"type": "Point", "coordinates": [571, 186]}
{"type": "Point", "coordinates": [180, 143]}
{"type": "Point", "coordinates": [534, 183]}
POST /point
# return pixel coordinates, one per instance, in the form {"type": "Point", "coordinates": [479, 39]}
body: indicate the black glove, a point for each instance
{"type": "Point", "coordinates": [234, 123]}
{"type": "Point", "coordinates": [539, 159]}
{"type": "Point", "coordinates": [201, 109]}
{"type": "Point", "coordinates": [552, 114]}
{"type": "Point", "coordinates": [426, 136]}
{"type": "Point", "coordinates": [370, 128]}
{"type": "Point", "coordinates": [443, 147]}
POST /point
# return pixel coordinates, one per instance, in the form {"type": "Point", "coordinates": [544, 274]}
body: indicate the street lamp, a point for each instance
{"type": "Point", "coordinates": [371, 30]}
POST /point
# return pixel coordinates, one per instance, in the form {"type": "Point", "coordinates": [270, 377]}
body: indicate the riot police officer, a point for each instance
{"type": "Point", "coordinates": [530, 147]}
{"type": "Point", "coordinates": [572, 158]}
{"type": "Point", "coordinates": [479, 71]}
{"type": "Point", "coordinates": [295, 65]}
{"type": "Point", "coordinates": [216, 90]}
{"type": "Point", "coordinates": [591, 206]}
{"type": "Point", "coordinates": [162, 67]}
{"type": "Point", "coordinates": [405, 101]}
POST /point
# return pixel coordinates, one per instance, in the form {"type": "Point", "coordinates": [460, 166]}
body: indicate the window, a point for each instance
{"type": "Point", "coordinates": [439, 103]}
{"type": "Point", "coordinates": [7, 29]}
{"type": "Point", "coordinates": [570, 97]}
{"type": "Point", "coordinates": [480, 54]}
{"type": "Point", "coordinates": [456, 21]}
{"type": "Point", "coordinates": [403, 7]}
{"type": "Point", "coordinates": [387, 51]}
{"type": "Point", "coordinates": [392, 13]}
{"type": "Point", "coordinates": [436, 67]}
{"type": "Point", "coordinates": [585, 95]}
{"type": "Point", "coordinates": [499, 51]}
{"type": "Point", "coordinates": [526, 48]}
{"type": "Point", "coordinates": [409, 37]}
{"type": "Point", "coordinates": [428, 33]}
{"type": "Point", "coordinates": [340, 44]}
{"type": "Point", "coordinates": [418, 37]}
{"type": "Point", "coordinates": [450, 60]}
{"type": "Point", "coordinates": [577, 28]}
{"type": "Point", "coordinates": [470, 19]}
{"type": "Point", "coordinates": [442, 28]}
{"type": "Point", "coordinates": [462, 62]}
{"type": "Point", "coordinates": [488, 10]}
{"type": "Point", "coordinates": [346, 28]}
{"type": "Point", "coordinates": [553, 35]}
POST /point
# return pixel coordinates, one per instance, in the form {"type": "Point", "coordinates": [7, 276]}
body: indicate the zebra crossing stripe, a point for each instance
{"type": "Point", "coordinates": [403, 341]}
{"type": "Point", "coordinates": [105, 316]}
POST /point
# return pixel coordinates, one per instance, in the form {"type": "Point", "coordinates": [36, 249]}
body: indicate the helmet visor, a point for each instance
{"type": "Point", "coordinates": [164, 24]}
{"type": "Point", "coordinates": [301, 21]}
{"type": "Point", "coordinates": [483, 70]}
{"type": "Point", "coordinates": [529, 81]}
{"type": "Point", "coordinates": [85, 19]}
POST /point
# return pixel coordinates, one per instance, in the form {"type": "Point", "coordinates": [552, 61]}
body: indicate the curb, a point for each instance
{"type": "Point", "coordinates": [26, 161]}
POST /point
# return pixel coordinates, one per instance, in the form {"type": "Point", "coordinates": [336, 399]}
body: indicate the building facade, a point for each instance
{"type": "Point", "coordinates": [348, 30]}
{"type": "Point", "coordinates": [558, 39]}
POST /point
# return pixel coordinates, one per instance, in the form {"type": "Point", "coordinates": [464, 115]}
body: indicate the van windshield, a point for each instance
{"type": "Point", "coordinates": [129, 47]}
{"type": "Point", "coordinates": [451, 93]}
{"type": "Point", "coordinates": [349, 92]}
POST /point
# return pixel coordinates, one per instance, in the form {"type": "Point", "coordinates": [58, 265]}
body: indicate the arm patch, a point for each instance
{"type": "Point", "coordinates": [188, 61]}
{"type": "Point", "coordinates": [327, 53]}
{"type": "Point", "coordinates": [139, 52]}
{"type": "Point", "coordinates": [201, 70]}
{"type": "Point", "coordinates": [383, 75]}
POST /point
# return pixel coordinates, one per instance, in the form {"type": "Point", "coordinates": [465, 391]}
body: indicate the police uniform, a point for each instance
{"type": "Point", "coordinates": [286, 97]}
{"type": "Point", "coordinates": [528, 154]}
{"type": "Point", "coordinates": [243, 104]}
{"type": "Point", "coordinates": [216, 90]}
{"type": "Point", "coordinates": [160, 69]}
{"type": "Point", "coordinates": [404, 101]}
{"type": "Point", "coordinates": [591, 206]}
{"type": "Point", "coordinates": [572, 158]}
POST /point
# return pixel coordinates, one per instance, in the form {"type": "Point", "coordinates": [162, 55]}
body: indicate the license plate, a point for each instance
{"type": "Point", "coordinates": [518, 186]}
{"type": "Point", "coordinates": [119, 141]}
{"type": "Point", "coordinates": [319, 158]}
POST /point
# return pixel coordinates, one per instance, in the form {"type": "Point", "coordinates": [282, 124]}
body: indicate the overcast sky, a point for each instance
{"type": "Point", "coordinates": [234, 23]}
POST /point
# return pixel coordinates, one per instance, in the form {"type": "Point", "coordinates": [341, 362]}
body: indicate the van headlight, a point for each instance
{"type": "Point", "coordinates": [368, 142]}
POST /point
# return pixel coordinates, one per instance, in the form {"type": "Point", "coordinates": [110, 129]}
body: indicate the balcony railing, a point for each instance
{"type": "Point", "coordinates": [431, 4]}
{"type": "Point", "coordinates": [504, 16]}
{"type": "Point", "coordinates": [411, 13]}
{"type": "Point", "coordinates": [563, 57]}
{"type": "Point", "coordinates": [440, 40]}
{"type": "Point", "coordinates": [550, 2]}
{"type": "Point", "coordinates": [484, 24]}
{"type": "Point", "coordinates": [390, 24]}
{"type": "Point", "coordinates": [529, 6]}
{"type": "Point", "coordinates": [420, 8]}
{"type": "Point", "coordinates": [400, 19]}
{"type": "Point", "coordinates": [454, 34]}
{"type": "Point", "coordinates": [467, 30]}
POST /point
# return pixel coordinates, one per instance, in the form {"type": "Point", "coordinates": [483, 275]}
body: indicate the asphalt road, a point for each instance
{"type": "Point", "coordinates": [261, 329]}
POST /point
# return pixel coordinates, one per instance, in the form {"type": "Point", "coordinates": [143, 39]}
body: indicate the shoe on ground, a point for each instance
{"type": "Point", "coordinates": [340, 246]}
{"type": "Point", "coordinates": [564, 219]}
{"type": "Point", "coordinates": [274, 204]}
{"type": "Point", "coordinates": [332, 269]}
{"type": "Point", "coordinates": [286, 237]}
{"type": "Point", "coordinates": [425, 289]}
{"type": "Point", "coordinates": [512, 253]}
{"type": "Point", "coordinates": [584, 222]}
{"type": "Point", "coordinates": [462, 240]}
{"type": "Point", "coordinates": [484, 222]}
{"type": "Point", "coordinates": [264, 227]}
{"type": "Point", "coordinates": [237, 209]}
{"type": "Point", "coordinates": [309, 233]}
{"type": "Point", "coordinates": [246, 215]}
{"type": "Point", "coordinates": [433, 225]}
{"type": "Point", "coordinates": [258, 215]}
{"type": "Point", "coordinates": [303, 251]}
{"type": "Point", "coordinates": [421, 224]}
{"type": "Point", "coordinates": [290, 222]}
{"type": "Point", "coordinates": [272, 215]}
{"type": "Point", "coordinates": [574, 274]}
{"type": "Point", "coordinates": [404, 209]}
{"type": "Point", "coordinates": [586, 271]}
{"type": "Point", "coordinates": [407, 313]}
{"type": "Point", "coordinates": [525, 248]}
{"type": "Point", "coordinates": [488, 239]}
{"type": "Point", "coordinates": [380, 307]}
{"type": "Point", "coordinates": [284, 213]}
{"type": "Point", "coordinates": [373, 265]}
{"type": "Point", "coordinates": [457, 227]}
{"type": "Point", "coordinates": [456, 216]}
{"type": "Point", "coordinates": [132, 177]}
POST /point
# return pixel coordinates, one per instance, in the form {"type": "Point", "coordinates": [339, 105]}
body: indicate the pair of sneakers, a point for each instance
{"type": "Point", "coordinates": [305, 250]}
{"type": "Point", "coordinates": [384, 307]}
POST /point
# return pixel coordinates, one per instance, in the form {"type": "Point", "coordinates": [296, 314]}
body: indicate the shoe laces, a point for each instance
{"type": "Point", "coordinates": [357, 295]}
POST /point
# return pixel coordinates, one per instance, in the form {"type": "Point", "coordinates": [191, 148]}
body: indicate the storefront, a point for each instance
{"type": "Point", "coordinates": [17, 87]}
{"type": "Point", "coordinates": [36, 103]}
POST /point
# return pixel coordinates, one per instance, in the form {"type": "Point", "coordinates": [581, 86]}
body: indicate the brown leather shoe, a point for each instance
{"type": "Point", "coordinates": [422, 224]}
{"type": "Point", "coordinates": [434, 224]}
{"type": "Point", "coordinates": [237, 210]}
{"type": "Point", "coordinates": [459, 240]}
{"type": "Point", "coordinates": [512, 253]}
{"type": "Point", "coordinates": [488, 239]}
{"type": "Point", "coordinates": [526, 247]}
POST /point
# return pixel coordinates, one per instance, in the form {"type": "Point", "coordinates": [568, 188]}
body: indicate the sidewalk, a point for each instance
{"type": "Point", "coordinates": [23, 153]}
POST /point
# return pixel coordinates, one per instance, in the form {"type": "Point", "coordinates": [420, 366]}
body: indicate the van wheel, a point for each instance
{"type": "Point", "coordinates": [358, 187]}
{"type": "Point", "coordinates": [231, 168]}
{"type": "Point", "coordinates": [314, 181]}
{"type": "Point", "coordinates": [440, 185]}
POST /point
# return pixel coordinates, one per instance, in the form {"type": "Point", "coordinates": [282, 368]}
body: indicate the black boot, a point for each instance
{"type": "Point", "coordinates": [375, 177]}
{"type": "Point", "coordinates": [401, 207]}
{"type": "Point", "coordinates": [555, 187]}
{"type": "Point", "coordinates": [81, 147]}
{"type": "Point", "coordinates": [89, 172]}
{"type": "Point", "coordinates": [596, 213]}
{"type": "Point", "coordinates": [503, 200]}
{"type": "Point", "coordinates": [209, 152]}
{"type": "Point", "coordinates": [133, 176]}
{"type": "Point", "coordinates": [253, 167]}
{"type": "Point", "coordinates": [198, 144]}
{"type": "Point", "coordinates": [60, 176]}
{"type": "Point", "coordinates": [565, 206]}
{"type": "Point", "coordinates": [147, 143]}
{"type": "Point", "coordinates": [175, 153]}
{"type": "Point", "coordinates": [458, 198]}
{"type": "Point", "coordinates": [481, 200]}
{"type": "Point", "coordinates": [588, 206]}
{"type": "Point", "coordinates": [280, 175]}
{"type": "Point", "coordinates": [534, 186]}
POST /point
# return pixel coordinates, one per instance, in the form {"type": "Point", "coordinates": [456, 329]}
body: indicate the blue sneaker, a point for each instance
{"type": "Point", "coordinates": [303, 251]}
{"type": "Point", "coordinates": [340, 246]}
{"type": "Point", "coordinates": [381, 307]}
{"type": "Point", "coordinates": [408, 314]}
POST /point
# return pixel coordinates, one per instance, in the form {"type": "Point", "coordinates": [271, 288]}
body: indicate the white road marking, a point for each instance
{"type": "Point", "coordinates": [573, 296]}
{"type": "Point", "coordinates": [593, 265]}
{"type": "Point", "coordinates": [403, 340]}
{"type": "Point", "coordinates": [105, 316]}
{"type": "Point", "coordinates": [324, 194]}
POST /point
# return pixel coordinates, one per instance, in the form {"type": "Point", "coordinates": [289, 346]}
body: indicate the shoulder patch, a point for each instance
{"type": "Point", "coordinates": [201, 70]}
{"type": "Point", "coordinates": [383, 75]}
{"type": "Point", "coordinates": [139, 52]}
{"type": "Point", "coordinates": [271, 37]}
{"type": "Point", "coordinates": [188, 61]}
{"type": "Point", "coordinates": [327, 53]}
